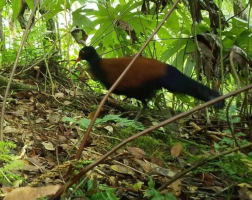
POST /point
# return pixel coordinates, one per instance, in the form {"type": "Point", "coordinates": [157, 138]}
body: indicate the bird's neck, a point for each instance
{"type": "Point", "coordinates": [94, 61]}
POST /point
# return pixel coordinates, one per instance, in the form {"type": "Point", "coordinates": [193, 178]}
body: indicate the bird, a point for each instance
{"type": "Point", "coordinates": [145, 76]}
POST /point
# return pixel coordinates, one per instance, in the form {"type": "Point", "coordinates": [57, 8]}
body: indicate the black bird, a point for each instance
{"type": "Point", "coordinates": [144, 77]}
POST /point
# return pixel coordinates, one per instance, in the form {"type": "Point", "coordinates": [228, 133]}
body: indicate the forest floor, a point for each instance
{"type": "Point", "coordinates": [47, 131]}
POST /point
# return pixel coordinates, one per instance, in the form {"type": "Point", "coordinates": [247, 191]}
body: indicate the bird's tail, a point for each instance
{"type": "Point", "coordinates": [176, 82]}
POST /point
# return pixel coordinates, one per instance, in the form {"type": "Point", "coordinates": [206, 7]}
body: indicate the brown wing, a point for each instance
{"type": "Point", "coordinates": [143, 70]}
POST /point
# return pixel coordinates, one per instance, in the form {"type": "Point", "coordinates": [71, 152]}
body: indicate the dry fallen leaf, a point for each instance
{"type": "Point", "coordinates": [137, 152]}
{"type": "Point", "coordinates": [6, 189]}
{"type": "Point", "coordinates": [66, 103]}
{"type": "Point", "coordinates": [59, 95]}
{"type": "Point", "coordinates": [245, 193]}
{"type": "Point", "coordinates": [121, 169]}
{"type": "Point", "coordinates": [176, 150]}
{"type": "Point", "coordinates": [91, 115]}
{"type": "Point", "coordinates": [176, 187]}
{"type": "Point", "coordinates": [31, 193]}
{"type": "Point", "coordinates": [48, 146]}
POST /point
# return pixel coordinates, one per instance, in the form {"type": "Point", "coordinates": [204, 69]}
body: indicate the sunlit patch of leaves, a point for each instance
{"type": "Point", "coordinates": [84, 122]}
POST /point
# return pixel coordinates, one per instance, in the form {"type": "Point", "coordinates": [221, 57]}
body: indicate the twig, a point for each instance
{"type": "Point", "coordinates": [26, 33]}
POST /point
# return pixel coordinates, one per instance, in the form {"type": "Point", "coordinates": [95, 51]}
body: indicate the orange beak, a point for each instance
{"type": "Point", "coordinates": [78, 59]}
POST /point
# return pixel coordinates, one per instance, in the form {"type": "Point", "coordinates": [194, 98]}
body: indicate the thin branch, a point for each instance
{"type": "Point", "coordinates": [26, 33]}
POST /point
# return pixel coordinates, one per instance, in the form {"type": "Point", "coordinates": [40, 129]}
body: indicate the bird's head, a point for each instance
{"type": "Point", "coordinates": [86, 53]}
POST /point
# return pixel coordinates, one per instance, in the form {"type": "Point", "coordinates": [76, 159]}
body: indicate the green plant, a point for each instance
{"type": "Point", "coordinates": [84, 122]}
{"type": "Point", "coordinates": [153, 194]}
{"type": "Point", "coordinates": [230, 166]}
{"type": "Point", "coordinates": [96, 191]}
{"type": "Point", "coordinates": [8, 163]}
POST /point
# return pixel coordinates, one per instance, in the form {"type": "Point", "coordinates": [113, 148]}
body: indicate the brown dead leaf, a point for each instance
{"type": "Point", "coordinates": [6, 189]}
{"type": "Point", "coordinates": [176, 150]}
{"type": "Point", "coordinates": [40, 120]}
{"type": "Point", "coordinates": [54, 119]}
{"type": "Point", "coordinates": [112, 180]}
{"type": "Point", "coordinates": [144, 9]}
{"type": "Point", "coordinates": [31, 193]}
{"type": "Point", "coordinates": [245, 193]}
{"type": "Point", "coordinates": [137, 152]}
{"type": "Point", "coordinates": [157, 161]}
{"type": "Point", "coordinates": [176, 187]}
{"type": "Point", "coordinates": [48, 146]}
{"type": "Point", "coordinates": [11, 130]}
{"type": "Point", "coordinates": [59, 95]}
{"type": "Point", "coordinates": [91, 115]}
{"type": "Point", "coordinates": [207, 178]}
{"type": "Point", "coordinates": [121, 169]}
{"type": "Point", "coordinates": [66, 103]}
{"type": "Point", "coordinates": [79, 35]}
{"type": "Point", "coordinates": [165, 172]}
{"type": "Point", "coordinates": [23, 95]}
{"type": "Point", "coordinates": [124, 25]}
{"type": "Point", "coordinates": [146, 166]}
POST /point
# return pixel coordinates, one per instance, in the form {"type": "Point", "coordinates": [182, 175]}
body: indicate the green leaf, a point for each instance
{"type": "Point", "coordinates": [104, 28]}
{"type": "Point", "coordinates": [102, 11]}
{"type": "Point", "coordinates": [16, 5]}
{"type": "Point", "coordinates": [127, 8]}
{"type": "Point", "coordinates": [84, 123]}
{"type": "Point", "coordinates": [90, 185]}
{"type": "Point", "coordinates": [30, 4]}
{"type": "Point", "coordinates": [138, 186]}
{"type": "Point", "coordinates": [189, 67]}
{"type": "Point", "coordinates": [184, 98]}
{"type": "Point", "coordinates": [2, 4]}
{"type": "Point", "coordinates": [69, 119]}
{"type": "Point", "coordinates": [177, 45]}
{"type": "Point", "coordinates": [81, 20]}
{"type": "Point", "coordinates": [179, 61]}
{"type": "Point", "coordinates": [170, 196]}
{"type": "Point", "coordinates": [151, 183]}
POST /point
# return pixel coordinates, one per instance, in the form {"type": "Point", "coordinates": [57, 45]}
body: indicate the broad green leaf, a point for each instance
{"type": "Point", "coordinates": [189, 67]}
{"type": "Point", "coordinates": [102, 11]}
{"type": "Point", "coordinates": [16, 5]}
{"type": "Point", "coordinates": [128, 8]}
{"type": "Point", "coordinates": [179, 61]}
{"type": "Point", "coordinates": [2, 4]}
{"type": "Point", "coordinates": [187, 22]}
{"type": "Point", "coordinates": [177, 45]}
{"type": "Point", "coordinates": [169, 196]}
{"type": "Point", "coordinates": [151, 183]}
{"type": "Point", "coordinates": [165, 36]}
{"type": "Point", "coordinates": [84, 123]}
{"type": "Point", "coordinates": [243, 40]}
{"type": "Point", "coordinates": [138, 185]}
{"type": "Point", "coordinates": [30, 3]}
{"type": "Point", "coordinates": [106, 27]}
{"type": "Point", "coordinates": [90, 185]}
{"type": "Point", "coordinates": [173, 23]}
{"type": "Point", "coordinates": [69, 119]}
{"type": "Point", "coordinates": [108, 40]}
{"type": "Point", "coordinates": [184, 98]}
{"type": "Point", "coordinates": [52, 8]}
{"type": "Point", "coordinates": [81, 20]}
